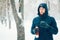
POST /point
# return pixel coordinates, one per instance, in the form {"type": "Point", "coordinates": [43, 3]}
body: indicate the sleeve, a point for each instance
{"type": "Point", "coordinates": [53, 29]}
{"type": "Point", "coordinates": [33, 27]}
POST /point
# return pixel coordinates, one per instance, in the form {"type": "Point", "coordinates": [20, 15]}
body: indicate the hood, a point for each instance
{"type": "Point", "coordinates": [44, 5]}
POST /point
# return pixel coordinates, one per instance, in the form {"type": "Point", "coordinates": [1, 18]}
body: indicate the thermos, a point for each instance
{"type": "Point", "coordinates": [37, 32]}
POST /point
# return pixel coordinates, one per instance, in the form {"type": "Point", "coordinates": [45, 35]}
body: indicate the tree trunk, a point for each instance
{"type": "Point", "coordinates": [20, 28]}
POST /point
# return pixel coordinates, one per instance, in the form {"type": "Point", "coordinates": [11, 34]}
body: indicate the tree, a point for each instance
{"type": "Point", "coordinates": [20, 28]}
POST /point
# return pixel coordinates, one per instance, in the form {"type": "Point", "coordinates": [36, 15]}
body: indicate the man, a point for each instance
{"type": "Point", "coordinates": [46, 24]}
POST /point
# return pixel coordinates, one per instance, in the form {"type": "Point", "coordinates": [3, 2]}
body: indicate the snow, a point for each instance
{"type": "Point", "coordinates": [8, 34]}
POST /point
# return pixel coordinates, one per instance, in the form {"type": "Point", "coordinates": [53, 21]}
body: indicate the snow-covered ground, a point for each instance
{"type": "Point", "coordinates": [6, 33]}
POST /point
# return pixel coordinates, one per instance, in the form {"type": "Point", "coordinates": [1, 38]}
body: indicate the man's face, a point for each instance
{"type": "Point", "coordinates": [42, 10]}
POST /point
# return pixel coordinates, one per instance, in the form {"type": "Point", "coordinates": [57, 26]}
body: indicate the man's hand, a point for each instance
{"type": "Point", "coordinates": [35, 30]}
{"type": "Point", "coordinates": [43, 24]}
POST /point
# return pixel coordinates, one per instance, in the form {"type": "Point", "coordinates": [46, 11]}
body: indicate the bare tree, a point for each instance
{"type": "Point", "coordinates": [21, 7]}
{"type": "Point", "coordinates": [3, 11]}
{"type": "Point", "coordinates": [20, 28]}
